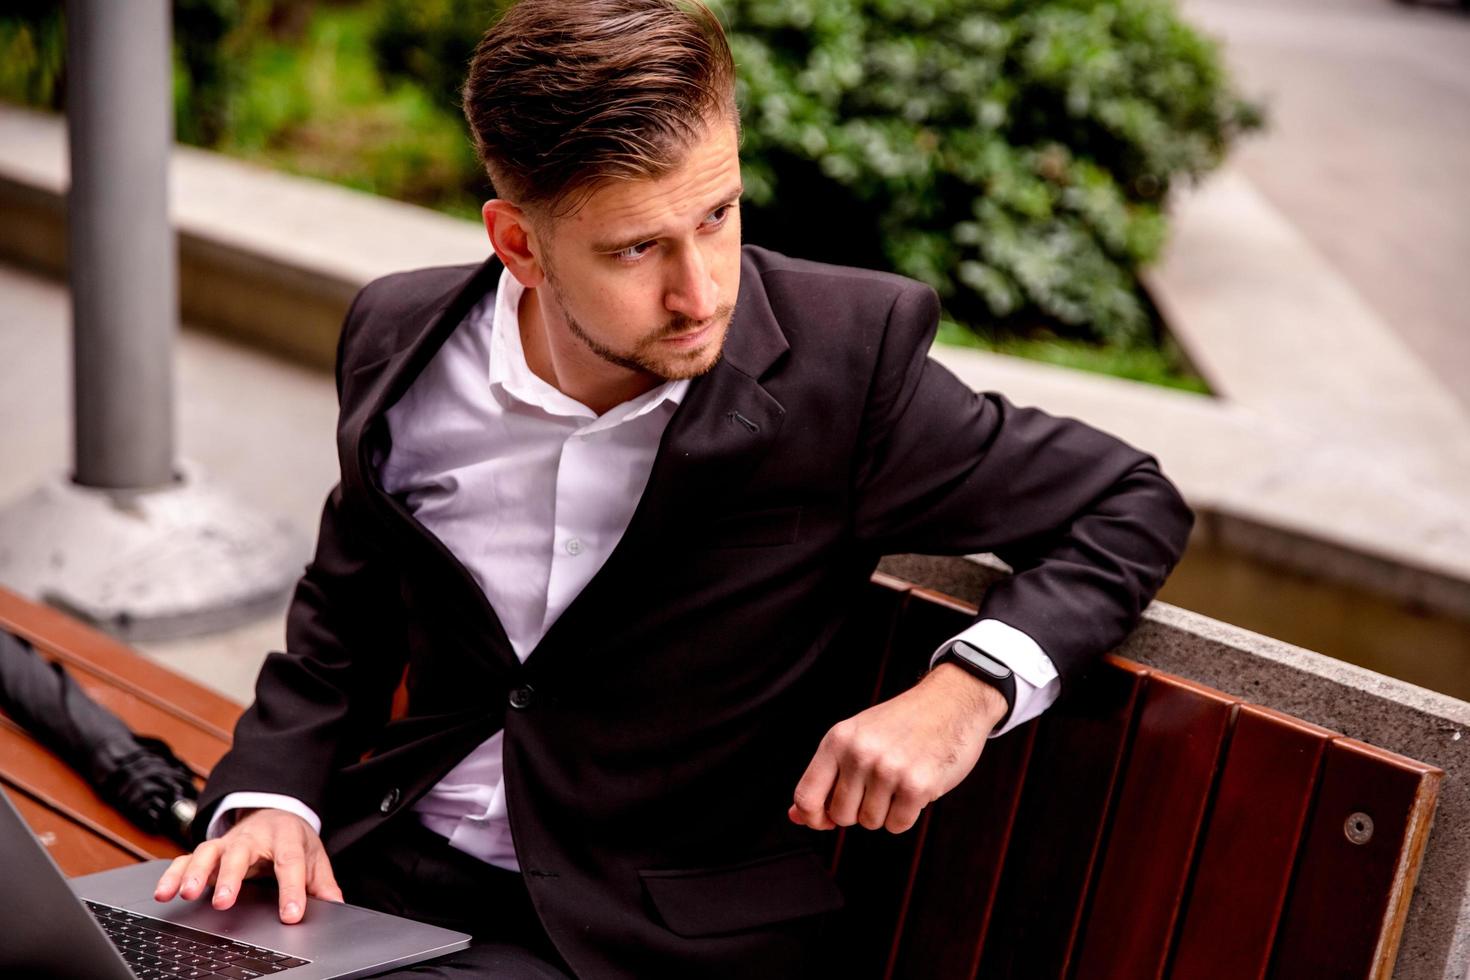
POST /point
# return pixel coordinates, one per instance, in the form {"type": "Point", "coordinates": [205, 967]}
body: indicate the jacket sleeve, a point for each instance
{"type": "Point", "coordinates": [319, 704]}
{"type": "Point", "coordinates": [1090, 525]}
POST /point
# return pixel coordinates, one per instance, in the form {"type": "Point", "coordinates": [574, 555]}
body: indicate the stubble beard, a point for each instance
{"type": "Point", "coordinates": [645, 357]}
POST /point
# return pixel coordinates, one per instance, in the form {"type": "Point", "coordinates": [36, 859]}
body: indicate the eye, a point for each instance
{"type": "Point", "coordinates": [633, 251]}
{"type": "Point", "coordinates": [718, 214]}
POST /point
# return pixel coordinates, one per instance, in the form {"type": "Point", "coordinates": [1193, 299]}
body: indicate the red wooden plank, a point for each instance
{"type": "Point", "coordinates": [1358, 863]}
{"type": "Point", "coordinates": [1081, 745]}
{"type": "Point", "coordinates": [1151, 841]}
{"type": "Point", "coordinates": [76, 848]}
{"type": "Point", "coordinates": [960, 865]}
{"type": "Point", "coordinates": [1250, 842]}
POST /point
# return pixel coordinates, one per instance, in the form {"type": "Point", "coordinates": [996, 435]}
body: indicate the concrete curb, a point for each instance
{"type": "Point", "coordinates": [265, 257]}
{"type": "Point", "coordinates": [1273, 327]}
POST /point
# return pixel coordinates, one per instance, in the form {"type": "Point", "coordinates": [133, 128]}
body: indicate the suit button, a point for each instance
{"type": "Point", "coordinates": [389, 801]}
{"type": "Point", "coordinates": [521, 697]}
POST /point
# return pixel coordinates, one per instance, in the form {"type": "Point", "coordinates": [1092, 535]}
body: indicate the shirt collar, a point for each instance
{"type": "Point", "coordinates": [509, 373]}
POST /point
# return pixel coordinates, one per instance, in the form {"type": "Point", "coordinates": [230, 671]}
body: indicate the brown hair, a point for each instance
{"type": "Point", "coordinates": [564, 94]}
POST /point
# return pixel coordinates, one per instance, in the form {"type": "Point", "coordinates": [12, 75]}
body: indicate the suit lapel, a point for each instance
{"type": "Point", "coordinates": [392, 375]}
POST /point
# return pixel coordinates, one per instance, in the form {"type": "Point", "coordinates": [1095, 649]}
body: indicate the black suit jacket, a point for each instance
{"type": "Point", "coordinates": [654, 737]}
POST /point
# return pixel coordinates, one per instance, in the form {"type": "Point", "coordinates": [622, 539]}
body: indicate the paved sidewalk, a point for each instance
{"type": "Point", "coordinates": [1367, 151]}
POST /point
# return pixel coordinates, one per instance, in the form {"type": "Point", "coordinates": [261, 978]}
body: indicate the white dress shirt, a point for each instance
{"type": "Point", "coordinates": [531, 491]}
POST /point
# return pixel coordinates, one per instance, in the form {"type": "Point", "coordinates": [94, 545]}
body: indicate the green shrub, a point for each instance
{"type": "Point", "coordinates": [32, 53]}
{"type": "Point", "coordinates": [211, 40]}
{"type": "Point", "coordinates": [431, 41]}
{"type": "Point", "coordinates": [317, 104]}
{"type": "Point", "coordinates": [1013, 155]}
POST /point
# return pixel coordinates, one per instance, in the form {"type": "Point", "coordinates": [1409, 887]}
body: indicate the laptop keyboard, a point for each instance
{"type": "Point", "coordinates": [158, 950]}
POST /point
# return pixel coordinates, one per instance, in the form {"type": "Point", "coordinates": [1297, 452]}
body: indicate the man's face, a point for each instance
{"type": "Point", "coordinates": [644, 275]}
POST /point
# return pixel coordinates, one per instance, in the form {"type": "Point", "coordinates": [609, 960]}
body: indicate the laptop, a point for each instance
{"type": "Point", "coordinates": [107, 926]}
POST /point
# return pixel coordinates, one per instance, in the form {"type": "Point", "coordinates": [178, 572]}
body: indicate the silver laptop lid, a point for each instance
{"type": "Point", "coordinates": [47, 933]}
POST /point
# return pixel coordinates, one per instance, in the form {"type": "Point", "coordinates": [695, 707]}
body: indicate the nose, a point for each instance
{"type": "Point", "coordinates": [692, 291]}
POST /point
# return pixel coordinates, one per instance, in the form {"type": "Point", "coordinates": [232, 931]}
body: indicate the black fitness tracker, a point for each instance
{"type": "Point", "coordinates": [976, 661]}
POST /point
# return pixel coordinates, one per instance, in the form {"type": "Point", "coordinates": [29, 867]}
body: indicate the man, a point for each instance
{"type": "Point", "coordinates": [605, 503]}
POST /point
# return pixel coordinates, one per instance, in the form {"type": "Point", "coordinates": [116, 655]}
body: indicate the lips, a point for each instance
{"type": "Point", "coordinates": [691, 338]}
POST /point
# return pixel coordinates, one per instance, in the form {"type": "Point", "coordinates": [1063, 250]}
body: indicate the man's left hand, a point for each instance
{"type": "Point", "coordinates": [881, 767]}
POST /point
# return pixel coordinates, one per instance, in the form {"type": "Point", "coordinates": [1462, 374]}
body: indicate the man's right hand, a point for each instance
{"type": "Point", "coordinates": [259, 840]}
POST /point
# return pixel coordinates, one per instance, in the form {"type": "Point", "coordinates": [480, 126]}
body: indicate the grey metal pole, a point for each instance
{"type": "Point", "coordinates": [123, 261]}
{"type": "Point", "coordinates": [127, 543]}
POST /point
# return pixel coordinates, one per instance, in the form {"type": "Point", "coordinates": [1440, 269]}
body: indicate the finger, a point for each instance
{"type": "Point", "coordinates": [904, 810]}
{"type": "Point", "coordinates": [200, 869]}
{"type": "Point", "coordinates": [810, 799]}
{"type": "Point", "coordinates": [877, 797]}
{"type": "Point", "coordinates": [321, 882]}
{"type": "Point", "coordinates": [291, 877]}
{"type": "Point", "coordinates": [822, 823]}
{"type": "Point", "coordinates": [234, 863]}
{"type": "Point", "coordinates": [172, 877]}
{"type": "Point", "coordinates": [847, 796]}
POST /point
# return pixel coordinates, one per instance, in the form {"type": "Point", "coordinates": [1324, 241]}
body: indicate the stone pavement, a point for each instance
{"type": "Point", "coordinates": [1367, 152]}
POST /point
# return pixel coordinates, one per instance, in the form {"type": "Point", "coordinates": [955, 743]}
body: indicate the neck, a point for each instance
{"type": "Point", "coordinates": [563, 362]}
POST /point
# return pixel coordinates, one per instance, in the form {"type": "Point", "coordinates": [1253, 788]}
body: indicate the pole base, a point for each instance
{"type": "Point", "coordinates": [178, 561]}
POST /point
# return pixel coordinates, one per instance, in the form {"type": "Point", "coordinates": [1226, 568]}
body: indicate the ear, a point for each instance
{"type": "Point", "coordinates": [515, 241]}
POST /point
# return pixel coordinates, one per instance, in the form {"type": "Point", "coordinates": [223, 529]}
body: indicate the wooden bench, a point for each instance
{"type": "Point", "coordinates": [1151, 827]}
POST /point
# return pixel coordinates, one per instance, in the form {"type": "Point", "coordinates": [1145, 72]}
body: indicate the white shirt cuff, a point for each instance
{"type": "Point", "coordinates": [224, 818]}
{"type": "Point", "coordinates": [1037, 682]}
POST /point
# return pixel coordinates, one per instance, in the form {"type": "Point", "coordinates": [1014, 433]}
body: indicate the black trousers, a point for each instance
{"type": "Point", "coordinates": [409, 870]}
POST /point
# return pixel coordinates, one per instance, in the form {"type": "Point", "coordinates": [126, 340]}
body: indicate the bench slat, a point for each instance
{"type": "Point", "coordinates": [1250, 842]}
{"type": "Point", "coordinates": [1322, 934]}
{"type": "Point", "coordinates": [1081, 744]}
{"type": "Point", "coordinates": [1151, 841]}
{"type": "Point", "coordinates": [77, 850]}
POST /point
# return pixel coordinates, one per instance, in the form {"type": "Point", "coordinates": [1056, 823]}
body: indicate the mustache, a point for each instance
{"type": "Point", "coordinates": [683, 324]}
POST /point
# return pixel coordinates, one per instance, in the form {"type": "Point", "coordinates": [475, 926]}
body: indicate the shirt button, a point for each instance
{"type": "Point", "coordinates": [574, 546]}
{"type": "Point", "coordinates": [389, 801]}
{"type": "Point", "coordinates": [520, 697]}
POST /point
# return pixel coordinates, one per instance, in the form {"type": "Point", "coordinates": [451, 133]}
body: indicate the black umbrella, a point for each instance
{"type": "Point", "coordinates": [138, 775]}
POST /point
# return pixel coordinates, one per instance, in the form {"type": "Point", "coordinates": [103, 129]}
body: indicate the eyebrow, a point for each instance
{"type": "Point", "coordinates": [628, 242]}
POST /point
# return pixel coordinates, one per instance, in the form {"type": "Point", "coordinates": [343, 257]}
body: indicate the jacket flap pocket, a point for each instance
{"type": "Point", "coordinates": [709, 902]}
